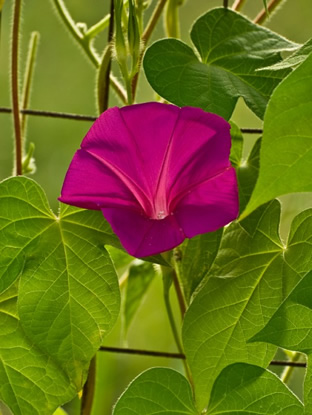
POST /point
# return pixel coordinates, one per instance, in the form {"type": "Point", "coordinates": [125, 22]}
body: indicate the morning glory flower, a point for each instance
{"type": "Point", "coordinates": [159, 174]}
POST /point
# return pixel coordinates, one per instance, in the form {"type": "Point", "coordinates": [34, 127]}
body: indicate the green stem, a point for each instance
{"type": "Point", "coordinates": [179, 293]}
{"type": "Point", "coordinates": [98, 27]}
{"type": "Point", "coordinates": [238, 5]}
{"type": "Point", "coordinates": [129, 91]}
{"type": "Point", "coordinates": [172, 19]}
{"type": "Point", "coordinates": [31, 58]}
{"type": "Point", "coordinates": [167, 280]}
{"type": "Point", "coordinates": [86, 45]}
{"type": "Point", "coordinates": [14, 85]}
{"type": "Point", "coordinates": [288, 371]}
{"type": "Point", "coordinates": [72, 27]}
{"type": "Point", "coordinates": [145, 38]}
{"type": "Point", "coordinates": [88, 390]}
{"type": "Point", "coordinates": [264, 14]}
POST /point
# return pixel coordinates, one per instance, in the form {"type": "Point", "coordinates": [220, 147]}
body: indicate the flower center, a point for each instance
{"type": "Point", "coordinates": [161, 214]}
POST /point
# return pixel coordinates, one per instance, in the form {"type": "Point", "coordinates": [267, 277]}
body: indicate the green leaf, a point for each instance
{"type": "Point", "coordinates": [286, 150]}
{"type": "Point", "coordinates": [231, 49]}
{"type": "Point", "coordinates": [24, 207]}
{"type": "Point", "coordinates": [290, 326]}
{"type": "Point", "coordinates": [237, 142]}
{"type": "Point", "coordinates": [60, 411]}
{"type": "Point", "coordinates": [139, 280]}
{"type": "Point", "coordinates": [158, 391]}
{"type": "Point", "coordinates": [121, 259]}
{"type": "Point", "coordinates": [308, 389]}
{"type": "Point", "coordinates": [251, 276]}
{"type": "Point", "coordinates": [247, 174]}
{"type": "Point", "coordinates": [31, 383]}
{"type": "Point", "coordinates": [245, 389]}
{"type": "Point", "coordinates": [102, 83]}
{"type": "Point", "coordinates": [68, 293]}
{"type": "Point", "coordinates": [194, 258]}
{"type": "Point", "coordinates": [293, 60]}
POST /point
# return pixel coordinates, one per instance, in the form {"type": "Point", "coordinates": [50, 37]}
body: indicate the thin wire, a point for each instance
{"type": "Point", "coordinates": [81, 117]}
{"type": "Point", "coordinates": [182, 356]}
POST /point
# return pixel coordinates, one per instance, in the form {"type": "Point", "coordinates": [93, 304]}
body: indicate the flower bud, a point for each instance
{"type": "Point", "coordinates": [120, 45]}
{"type": "Point", "coordinates": [133, 36]}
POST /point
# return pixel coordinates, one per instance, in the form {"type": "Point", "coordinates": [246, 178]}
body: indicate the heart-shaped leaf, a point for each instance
{"type": "Point", "coordinates": [68, 297]}
{"type": "Point", "coordinates": [158, 391]}
{"type": "Point", "coordinates": [231, 49]}
{"type": "Point", "coordinates": [286, 150]}
{"type": "Point", "coordinates": [251, 276]}
{"type": "Point", "coordinates": [245, 389]}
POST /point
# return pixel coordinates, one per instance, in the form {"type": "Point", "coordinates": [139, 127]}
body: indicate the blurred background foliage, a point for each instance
{"type": "Point", "coordinates": [64, 80]}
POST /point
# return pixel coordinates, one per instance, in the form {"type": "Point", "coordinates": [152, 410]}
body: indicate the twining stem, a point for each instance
{"type": "Point", "coordinates": [88, 390]}
{"type": "Point", "coordinates": [225, 3]}
{"type": "Point", "coordinates": [145, 38]}
{"type": "Point", "coordinates": [238, 4]}
{"type": "Point", "coordinates": [85, 42]}
{"type": "Point", "coordinates": [264, 14]}
{"type": "Point", "coordinates": [288, 371]}
{"type": "Point", "coordinates": [28, 76]}
{"type": "Point", "coordinates": [14, 85]}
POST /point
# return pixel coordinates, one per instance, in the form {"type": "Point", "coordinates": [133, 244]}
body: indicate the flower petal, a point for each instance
{"type": "Point", "coordinates": [142, 236]}
{"type": "Point", "coordinates": [200, 149]}
{"type": "Point", "coordinates": [209, 206]}
{"type": "Point", "coordinates": [152, 125]}
{"type": "Point", "coordinates": [90, 184]}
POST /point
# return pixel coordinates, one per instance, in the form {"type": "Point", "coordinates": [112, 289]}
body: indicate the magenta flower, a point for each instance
{"type": "Point", "coordinates": [158, 173]}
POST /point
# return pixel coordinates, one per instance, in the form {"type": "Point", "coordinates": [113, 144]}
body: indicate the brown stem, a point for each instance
{"type": "Point", "coordinates": [88, 390]}
{"type": "Point", "coordinates": [263, 15]}
{"type": "Point", "coordinates": [225, 3]}
{"type": "Point", "coordinates": [238, 4]}
{"type": "Point", "coordinates": [14, 85]}
{"type": "Point", "coordinates": [28, 77]}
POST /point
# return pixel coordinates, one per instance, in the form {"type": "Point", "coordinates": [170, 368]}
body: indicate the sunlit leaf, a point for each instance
{"type": "Point", "coordinates": [286, 150]}
{"type": "Point", "coordinates": [68, 297]}
{"type": "Point", "coordinates": [247, 174]}
{"type": "Point", "coordinates": [245, 389]}
{"type": "Point", "coordinates": [251, 276]}
{"type": "Point", "coordinates": [157, 391]}
{"type": "Point", "coordinates": [293, 60]}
